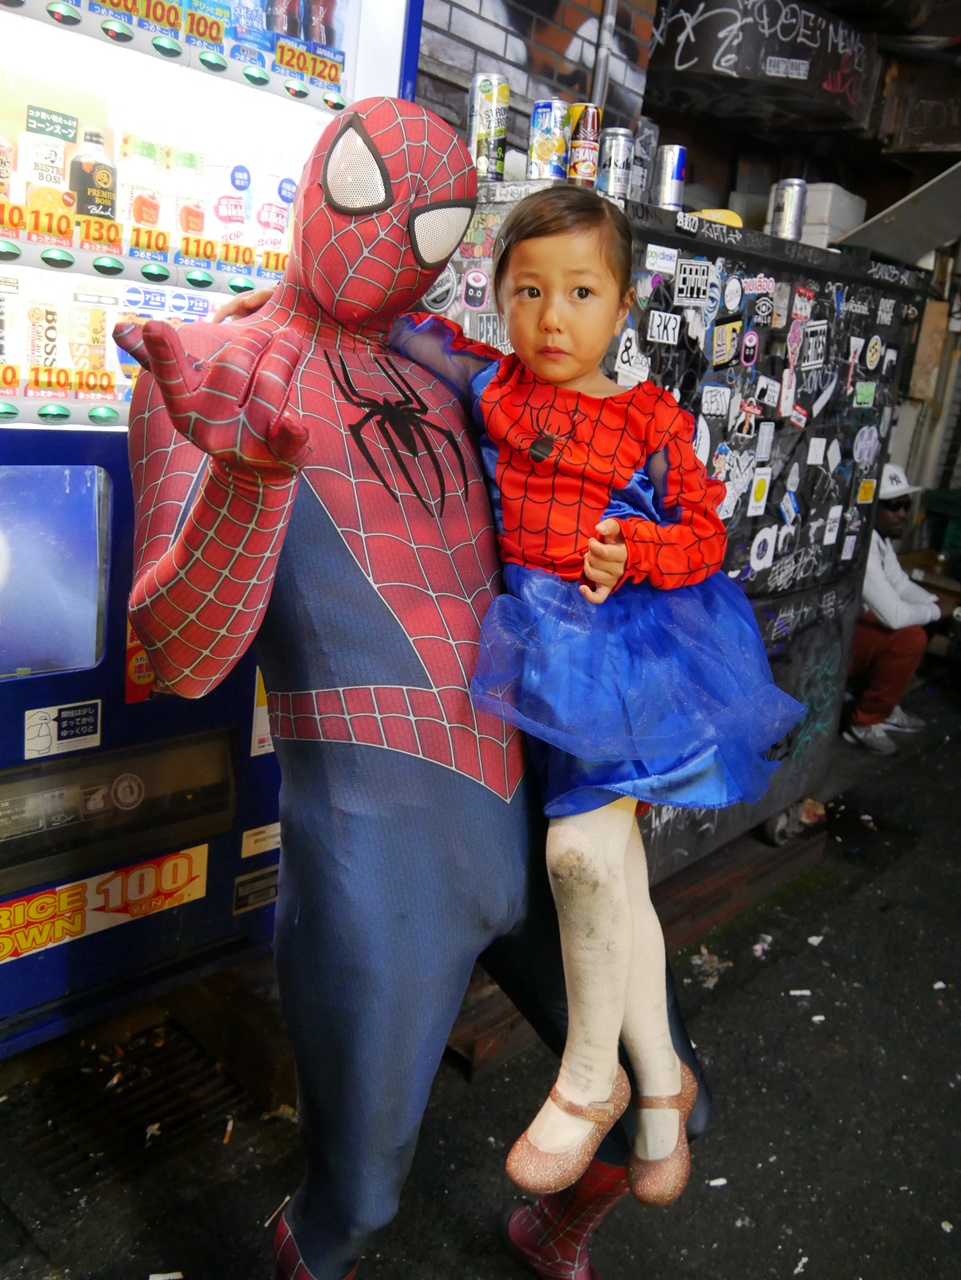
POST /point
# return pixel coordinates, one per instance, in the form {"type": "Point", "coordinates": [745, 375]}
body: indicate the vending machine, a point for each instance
{"type": "Point", "coordinates": [149, 156]}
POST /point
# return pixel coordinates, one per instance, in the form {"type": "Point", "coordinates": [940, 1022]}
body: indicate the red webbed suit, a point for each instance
{"type": "Point", "coordinates": [298, 483]}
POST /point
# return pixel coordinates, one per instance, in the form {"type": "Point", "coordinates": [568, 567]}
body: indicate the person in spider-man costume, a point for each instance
{"type": "Point", "coordinates": [300, 486]}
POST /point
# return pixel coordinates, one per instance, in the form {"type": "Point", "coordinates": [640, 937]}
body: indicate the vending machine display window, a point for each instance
{"type": "Point", "coordinates": [54, 552]}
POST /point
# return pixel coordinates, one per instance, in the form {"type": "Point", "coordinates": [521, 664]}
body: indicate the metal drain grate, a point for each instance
{"type": "Point", "coordinates": [118, 1109]}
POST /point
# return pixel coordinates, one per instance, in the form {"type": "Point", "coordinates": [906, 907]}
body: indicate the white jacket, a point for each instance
{"type": "Point", "coordinates": [890, 594]}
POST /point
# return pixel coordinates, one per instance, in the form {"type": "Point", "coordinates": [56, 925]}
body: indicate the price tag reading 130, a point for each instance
{"type": "Point", "coordinates": [100, 235]}
{"type": "Point", "coordinates": [290, 57]}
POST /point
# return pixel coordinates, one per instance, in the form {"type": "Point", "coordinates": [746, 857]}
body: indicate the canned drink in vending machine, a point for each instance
{"type": "Point", "coordinates": [667, 185]}
{"type": "Point", "coordinates": [490, 97]}
{"type": "Point", "coordinates": [787, 218]}
{"type": "Point", "coordinates": [585, 144]}
{"type": "Point", "coordinates": [614, 159]}
{"type": "Point", "coordinates": [549, 139]}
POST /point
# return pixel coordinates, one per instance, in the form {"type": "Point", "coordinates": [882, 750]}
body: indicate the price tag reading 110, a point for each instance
{"type": "Point", "coordinates": [13, 219]}
{"type": "Point", "coordinates": [291, 58]}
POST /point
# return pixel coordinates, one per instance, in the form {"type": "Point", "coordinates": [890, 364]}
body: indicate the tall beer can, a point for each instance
{"type": "Point", "coordinates": [787, 217]}
{"type": "Point", "coordinates": [490, 97]}
{"type": "Point", "coordinates": [614, 159]}
{"type": "Point", "coordinates": [585, 144]}
{"type": "Point", "coordinates": [549, 139]}
{"type": "Point", "coordinates": [667, 185]}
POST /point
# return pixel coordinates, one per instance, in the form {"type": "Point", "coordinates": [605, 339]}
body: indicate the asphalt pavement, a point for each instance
{"type": "Point", "coordinates": [827, 1018]}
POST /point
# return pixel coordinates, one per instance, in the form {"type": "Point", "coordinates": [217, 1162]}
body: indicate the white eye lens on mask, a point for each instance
{"type": "Point", "coordinates": [355, 179]}
{"type": "Point", "coordinates": [436, 232]}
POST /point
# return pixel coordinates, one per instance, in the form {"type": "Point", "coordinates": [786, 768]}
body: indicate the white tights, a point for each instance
{"type": "Point", "coordinates": [613, 953]}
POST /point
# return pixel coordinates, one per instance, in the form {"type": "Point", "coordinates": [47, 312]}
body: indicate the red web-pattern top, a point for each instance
{"type": "Point", "coordinates": [562, 454]}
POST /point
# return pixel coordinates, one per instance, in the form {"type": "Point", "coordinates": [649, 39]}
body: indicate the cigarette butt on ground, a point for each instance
{"type": "Point", "coordinates": [277, 1211]}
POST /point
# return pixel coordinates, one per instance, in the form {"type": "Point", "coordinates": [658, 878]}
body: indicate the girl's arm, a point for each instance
{"type": "Point", "coordinates": [440, 346]}
{"type": "Point", "coordinates": [687, 541]}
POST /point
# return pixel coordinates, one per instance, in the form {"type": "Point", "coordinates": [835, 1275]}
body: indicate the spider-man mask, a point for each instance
{"type": "Point", "coordinates": [384, 201]}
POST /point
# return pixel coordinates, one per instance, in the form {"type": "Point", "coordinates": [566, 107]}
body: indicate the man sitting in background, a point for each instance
{"type": "Point", "coordinates": [889, 639]}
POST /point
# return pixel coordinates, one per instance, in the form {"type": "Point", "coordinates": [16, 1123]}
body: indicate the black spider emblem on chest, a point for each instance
{"type": "Point", "coordinates": [403, 427]}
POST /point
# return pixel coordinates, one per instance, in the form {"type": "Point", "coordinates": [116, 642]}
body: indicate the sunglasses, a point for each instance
{"type": "Point", "coordinates": [895, 504]}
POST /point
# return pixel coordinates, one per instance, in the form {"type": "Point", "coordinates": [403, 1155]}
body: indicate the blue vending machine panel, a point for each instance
{"type": "Point", "coordinates": [119, 805]}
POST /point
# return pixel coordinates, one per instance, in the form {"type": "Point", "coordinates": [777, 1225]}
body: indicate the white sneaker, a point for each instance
{"type": "Point", "coordinates": [871, 736]}
{"type": "Point", "coordinates": [904, 722]}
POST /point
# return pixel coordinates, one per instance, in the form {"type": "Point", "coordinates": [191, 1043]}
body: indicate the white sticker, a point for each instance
{"type": "Point", "coordinates": [793, 478]}
{"type": "Point", "coordinates": [762, 548]}
{"type": "Point", "coordinates": [866, 445]}
{"type": "Point", "coordinates": [632, 366]}
{"type": "Point", "coordinates": [814, 345]}
{"type": "Point", "coordinates": [886, 311]}
{"type": "Point", "coordinates": [733, 293]}
{"type": "Point", "coordinates": [53, 731]}
{"type": "Point", "coordinates": [691, 283]}
{"type": "Point", "coordinates": [660, 258]}
{"type": "Point", "coordinates": [816, 447]}
{"type": "Point", "coordinates": [847, 550]}
{"type": "Point", "coordinates": [663, 326]}
{"type": "Point", "coordinates": [715, 400]}
{"type": "Point", "coordinates": [834, 456]}
{"type": "Point", "coordinates": [765, 441]}
{"type": "Point", "coordinates": [759, 491]}
{"type": "Point", "coordinates": [260, 840]}
{"type": "Point", "coordinates": [768, 391]}
{"type": "Point", "coordinates": [702, 441]}
{"type": "Point", "coordinates": [832, 525]}
{"type": "Point", "coordinates": [789, 508]}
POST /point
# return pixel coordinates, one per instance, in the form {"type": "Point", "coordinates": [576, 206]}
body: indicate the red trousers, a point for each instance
{"type": "Point", "coordinates": [882, 663]}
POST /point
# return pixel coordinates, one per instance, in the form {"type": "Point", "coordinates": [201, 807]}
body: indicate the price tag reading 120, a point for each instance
{"type": "Point", "coordinates": [290, 58]}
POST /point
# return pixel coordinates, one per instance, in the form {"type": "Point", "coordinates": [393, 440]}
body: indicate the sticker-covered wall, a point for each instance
{"type": "Point", "coordinates": [789, 357]}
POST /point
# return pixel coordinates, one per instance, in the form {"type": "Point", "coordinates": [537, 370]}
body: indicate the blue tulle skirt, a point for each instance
{"type": "Point", "coordinates": [665, 696]}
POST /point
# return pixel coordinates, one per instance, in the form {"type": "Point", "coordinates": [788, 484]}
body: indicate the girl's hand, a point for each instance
{"type": "Point", "coordinates": [244, 304]}
{"type": "Point", "coordinates": [605, 561]}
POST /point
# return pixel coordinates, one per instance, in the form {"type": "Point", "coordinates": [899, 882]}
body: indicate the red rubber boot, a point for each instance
{"type": "Point", "coordinates": [552, 1236]}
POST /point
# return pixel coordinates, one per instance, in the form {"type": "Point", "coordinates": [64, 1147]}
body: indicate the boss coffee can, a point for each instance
{"type": "Point", "coordinates": [585, 143]}
{"type": "Point", "coordinates": [787, 217]}
{"type": "Point", "coordinates": [549, 139]}
{"type": "Point", "coordinates": [614, 159]}
{"type": "Point", "coordinates": [667, 185]}
{"type": "Point", "coordinates": [490, 97]}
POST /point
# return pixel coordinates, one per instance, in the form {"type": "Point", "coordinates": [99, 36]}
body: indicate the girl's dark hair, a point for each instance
{"type": "Point", "coordinates": [557, 211]}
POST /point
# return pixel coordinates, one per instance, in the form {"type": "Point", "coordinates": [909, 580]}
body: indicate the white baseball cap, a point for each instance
{"type": "Point", "coordinates": [894, 483]}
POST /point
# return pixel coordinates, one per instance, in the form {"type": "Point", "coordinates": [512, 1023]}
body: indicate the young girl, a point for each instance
{"type": "Point", "coordinates": [638, 671]}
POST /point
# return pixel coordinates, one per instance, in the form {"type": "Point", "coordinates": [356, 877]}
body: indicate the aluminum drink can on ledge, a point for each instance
{"type": "Point", "coordinates": [614, 161]}
{"type": "Point", "coordinates": [670, 170]}
{"type": "Point", "coordinates": [585, 143]}
{"type": "Point", "coordinates": [787, 217]}
{"type": "Point", "coordinates": [490, 96]}
{"type": "Point", "coordinates": [549, 139]}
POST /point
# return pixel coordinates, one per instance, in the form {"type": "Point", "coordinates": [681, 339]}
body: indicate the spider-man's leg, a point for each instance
{"type": "Point", "coordinates": [395, 874]}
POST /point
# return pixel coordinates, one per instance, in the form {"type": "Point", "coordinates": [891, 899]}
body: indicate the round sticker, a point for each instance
{"type": "Point", "coordinates": [874, 352]}
{"type": "Point", "coordinates": [127, 791]}
{"type": "Point", "coordinates": [442, 292]}
{"type": "Point", "coordinates": [240, 177]}
{"type": "Point", "coordinates": [733, 293]}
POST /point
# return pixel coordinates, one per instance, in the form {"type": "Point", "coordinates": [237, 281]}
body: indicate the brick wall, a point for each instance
{"type": "Point", "coordinates": [545, 48]}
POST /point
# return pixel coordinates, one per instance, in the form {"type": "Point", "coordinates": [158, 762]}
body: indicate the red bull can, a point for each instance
{"type": "Point", "coordinates": [490, 97]}
{"type": "Point", "coordinates": [585, 144]}
{"type": "Point", "coordinates": [667, 185]}
{"type": "Point", "coordinates": [614, 159]}
{"type": "Point", "coordinates": [549, 139]}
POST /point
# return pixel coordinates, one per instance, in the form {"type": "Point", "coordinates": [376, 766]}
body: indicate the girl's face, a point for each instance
{"type": "Point", "coordinates": [562, 306]}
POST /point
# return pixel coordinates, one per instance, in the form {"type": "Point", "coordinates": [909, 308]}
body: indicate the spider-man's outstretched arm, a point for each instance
{"type": "Point", "coordinates": [202, 579]}
{"type": "Point", "coordinates": [689, 540]}
{"type": "Point", "coordinates": [440, 346]}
